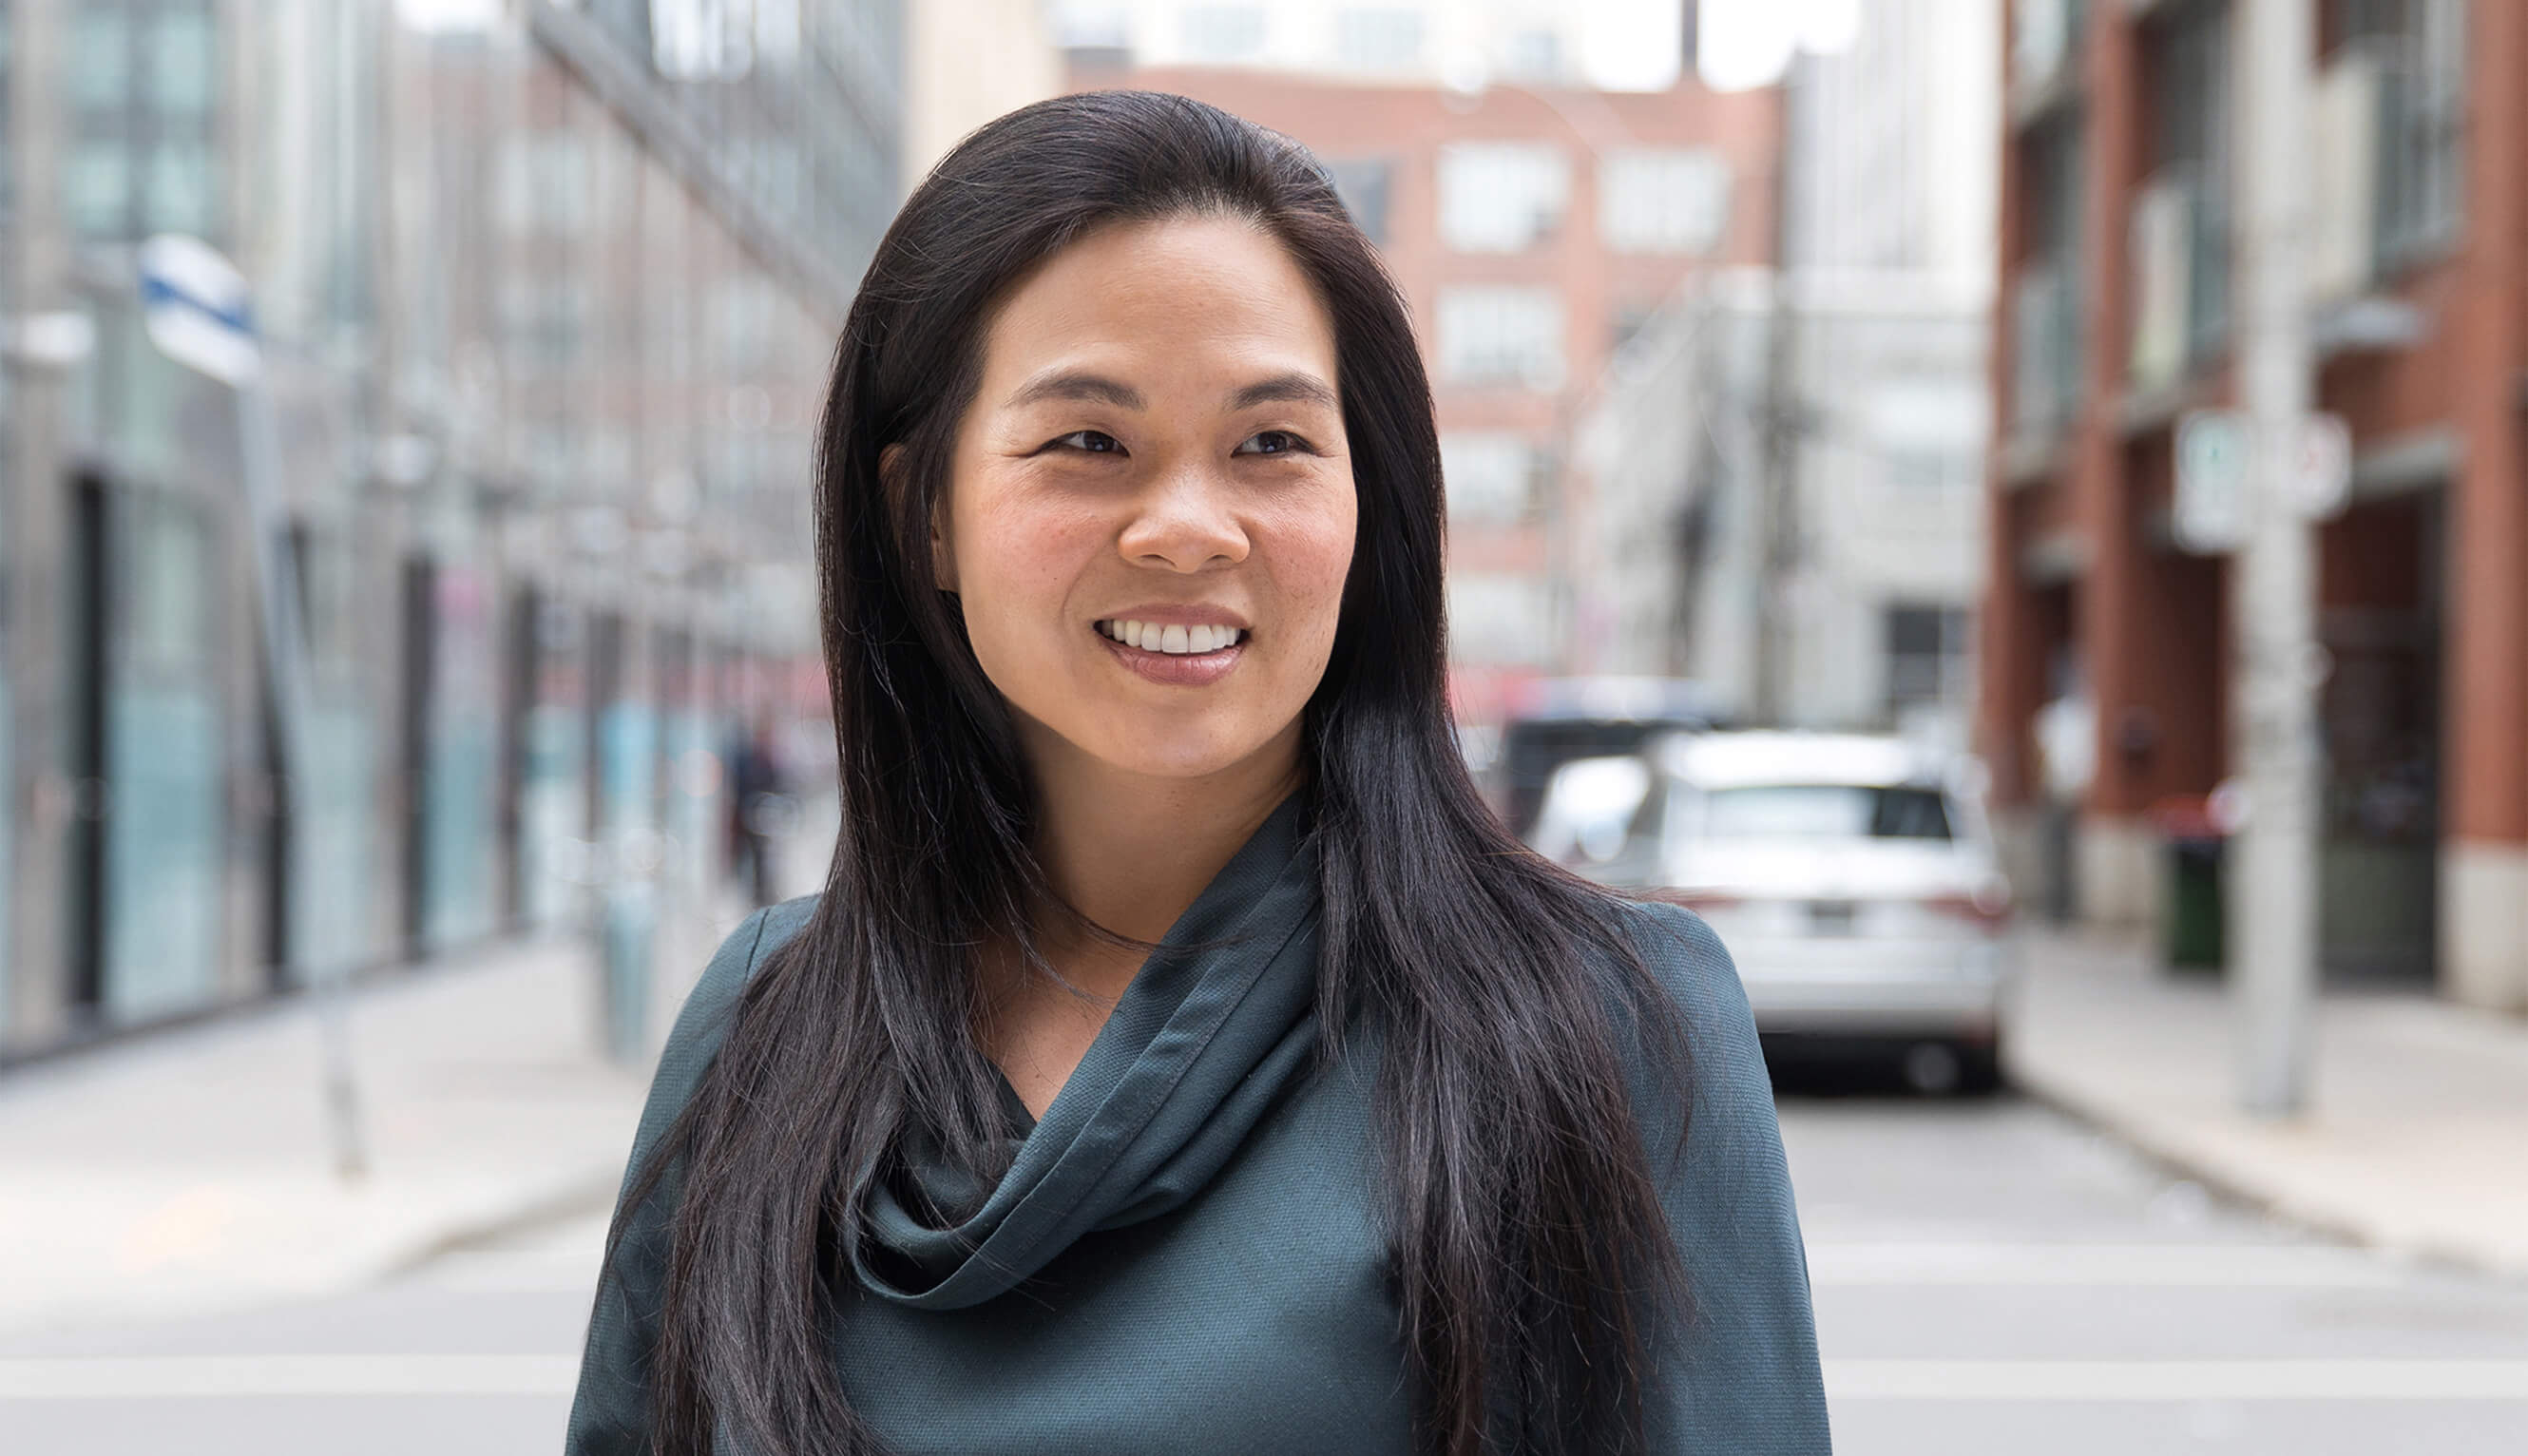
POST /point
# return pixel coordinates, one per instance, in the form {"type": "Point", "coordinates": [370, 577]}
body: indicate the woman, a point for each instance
{"type": "Point", "coordinates": [1399, 1139]}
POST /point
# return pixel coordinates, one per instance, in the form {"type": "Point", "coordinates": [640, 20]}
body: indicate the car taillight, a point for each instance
{"type": "Point", "coordinates": [1986, 908]}
{"type": "Point", "coordinates": [1696, 900]}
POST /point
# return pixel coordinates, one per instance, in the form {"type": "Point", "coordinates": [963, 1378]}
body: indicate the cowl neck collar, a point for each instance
{"type": "Point", "coordinates": [1216, 1024]}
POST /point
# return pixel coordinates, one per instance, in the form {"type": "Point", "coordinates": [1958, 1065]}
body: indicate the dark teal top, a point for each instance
{"type": "Point", "coordinates": [1186, 1253]}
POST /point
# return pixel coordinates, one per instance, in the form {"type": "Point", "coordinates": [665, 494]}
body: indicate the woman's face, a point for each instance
{"type": "Point", "coordinates": [1150, 511]}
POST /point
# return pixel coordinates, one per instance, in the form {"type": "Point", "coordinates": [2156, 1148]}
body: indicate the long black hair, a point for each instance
{"type": "Point", "coordinates": [1531, 1258]}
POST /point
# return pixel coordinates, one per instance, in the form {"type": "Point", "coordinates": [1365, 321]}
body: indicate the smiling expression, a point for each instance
{"type": "Point", "coordinates": [1150, 511]}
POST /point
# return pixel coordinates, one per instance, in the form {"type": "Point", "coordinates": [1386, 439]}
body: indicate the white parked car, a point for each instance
{"type": "Point", "coordinates": [1853, 879]}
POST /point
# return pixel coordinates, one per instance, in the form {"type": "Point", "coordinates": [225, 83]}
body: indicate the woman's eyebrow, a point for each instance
{"type": "Point", "coordinates": [1075, 384]}
{"type": "Point", "coordinates": [1287, 388]}
{"type": "Point", "coordinates": [1293, 388]}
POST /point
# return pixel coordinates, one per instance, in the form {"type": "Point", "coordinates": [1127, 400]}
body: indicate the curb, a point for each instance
{"type": "Point", "coordinates": [588, 1191]}
{"type": "Point", "coordinates": [2183, 1156]}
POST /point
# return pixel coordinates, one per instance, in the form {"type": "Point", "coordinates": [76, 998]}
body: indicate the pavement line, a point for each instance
{"type": "Point", "coordinates": [197, 1376]}
{"type": "Point", "coordinates": [512, 1273]}
{"type": "Point", "coordinates": [2204, 1265]}
{"type": "Point", "coordinates": [2177, 1379]}
{"type": "Point", "coordinates": [192, 1377]}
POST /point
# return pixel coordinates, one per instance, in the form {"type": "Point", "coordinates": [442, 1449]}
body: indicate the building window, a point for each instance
{"type": "Point", "coordinates": [543, 184]}
{"type": "Point", "coordinates": [1928, 655]}
{"type": "Point", "coordinates": [2422, 103]}
{"type": "Point", "coordinates": [1363, 184]}
{"type": "Point", "coordinates": [1223, 34]}
{"type": "Point", "coordinates": [2045, 291]}
{"type": "Point", "coordinates": [182, 62]}
{"type": "Point", "coordinates": [2188, 54]}
{"type": "Point", "coordinates": [100, 70]}
{"type": "Point", "coordinates": [1534, 55]}
{"type": "Point", "coordinates": [182, 195]}
{"type": "Point", "coordinates": [743, 307]}
{"type": "Point", "coordinates": [96, 187]}
{"type": "Point", "coordinates": [1501, 197]}
{"type": "Point", "coordinates": [1494, 476]}
{"type": "Point", "coordinates": [546, 321]}
{"type": "Point", "coordinates": [1381, 39]}
{"type": "Point", "coordinates": [1500, 336]}
{"type": "Point", "coordinates": [1662, 201]}
{"type": "Point", "coordinates": [1497, 619]}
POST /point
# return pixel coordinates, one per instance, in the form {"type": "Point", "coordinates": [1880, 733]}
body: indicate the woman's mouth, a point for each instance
{"type": "Point", "coordinates": [1174, 655]}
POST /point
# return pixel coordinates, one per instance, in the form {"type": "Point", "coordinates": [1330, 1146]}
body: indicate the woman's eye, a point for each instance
{"type": "Point", "coordinates": [1095, 441]}
{"type": "Point", "coordinates": [1272, 443]}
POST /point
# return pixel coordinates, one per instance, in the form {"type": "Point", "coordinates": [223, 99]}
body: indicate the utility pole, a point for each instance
{"type": "Point", "coordinates": [2279, 665]}
{"type": "Point", "coordinates": [1777, 492]}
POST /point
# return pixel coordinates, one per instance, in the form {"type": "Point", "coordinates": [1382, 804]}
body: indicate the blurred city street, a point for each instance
{"type": "Point", "coordinates": [1932, 485]}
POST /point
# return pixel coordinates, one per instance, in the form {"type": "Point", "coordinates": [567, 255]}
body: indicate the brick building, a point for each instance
{"type": "Point", "coordinates": [1533, 228]}
{"type": "Point", "coordinates": [2105, 677]}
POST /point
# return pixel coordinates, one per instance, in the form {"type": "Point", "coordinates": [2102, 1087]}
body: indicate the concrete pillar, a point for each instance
{"type": "Point", "coordinates": [2484, 845]}
{"type": "Point", "coordinates": [35, 964]}
{"type": "Point", "coordinates": [2112, 861]}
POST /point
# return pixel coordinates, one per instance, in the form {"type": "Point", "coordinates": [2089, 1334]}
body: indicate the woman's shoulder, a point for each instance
{"type": "Point", "coordinates": [713, 1003]}
{"type": "Point", "coordinates": [1683, 957]}
{"type": "Point", "coordinates": [1705, 1046]}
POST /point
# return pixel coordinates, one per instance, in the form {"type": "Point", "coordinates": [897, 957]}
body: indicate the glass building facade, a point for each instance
{"type": "Point", "coordinates": [546, 300]}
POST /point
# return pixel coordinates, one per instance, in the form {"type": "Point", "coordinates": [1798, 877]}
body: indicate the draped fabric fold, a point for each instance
{"type": "Point", "coordinates": [1209, 1034]}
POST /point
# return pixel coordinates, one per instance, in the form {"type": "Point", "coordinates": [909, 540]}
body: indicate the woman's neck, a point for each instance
{"type": "Point", "coordinates": [1131, 852]}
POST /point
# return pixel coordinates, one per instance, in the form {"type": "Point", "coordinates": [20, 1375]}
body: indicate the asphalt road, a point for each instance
{"type": "Point", "coordinates": [1989, 1279]}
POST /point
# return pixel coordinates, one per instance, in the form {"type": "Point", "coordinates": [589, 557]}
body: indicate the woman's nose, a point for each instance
{"type": "Point", "coordinates": [1184, 522]}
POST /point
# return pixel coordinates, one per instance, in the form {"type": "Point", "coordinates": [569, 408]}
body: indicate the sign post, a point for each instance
{"type": "Point", "coordinates": [198, 310]}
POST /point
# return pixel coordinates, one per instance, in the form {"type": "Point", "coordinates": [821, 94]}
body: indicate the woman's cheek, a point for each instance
{"type": "Point", "coordinates": [1318, 541]}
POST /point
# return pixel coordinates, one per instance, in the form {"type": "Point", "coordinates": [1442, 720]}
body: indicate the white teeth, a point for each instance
{"type": "Point", "coordinates": [1151, 636]}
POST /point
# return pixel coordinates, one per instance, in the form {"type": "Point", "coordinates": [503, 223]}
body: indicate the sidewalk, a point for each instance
{"type": "Point", "coordinates": [2417, 1137]}
{"type": "Point", "coordinates": [191, 1173]}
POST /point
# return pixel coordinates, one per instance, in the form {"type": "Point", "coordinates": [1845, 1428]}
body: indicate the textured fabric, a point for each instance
{"type": "Point", "coordinates": [1185, 1255]}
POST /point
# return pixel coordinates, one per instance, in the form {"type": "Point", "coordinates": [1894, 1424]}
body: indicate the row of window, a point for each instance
{"type": "Point", "coordinates": [1510, 196]}
{"type": "Point", "coordinates": [1371, 39]}
{"type": "Point", "coordinates": [2389, 124]}
{"type": "Point", "coordinates": [143, 78]}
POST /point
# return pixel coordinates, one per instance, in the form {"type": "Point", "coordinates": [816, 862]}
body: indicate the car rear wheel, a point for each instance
{"type": "Point", "coordinates": [1979, 1069]}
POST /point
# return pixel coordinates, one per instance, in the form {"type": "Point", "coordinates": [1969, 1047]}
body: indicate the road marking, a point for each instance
{"type": "Point", "coordinates": [2177, 1379]}
{"type": "Point", "coordinates": [2202, 1266]}
{"type": "Point", "coordinates": [512, 1273]}
{"type": "Point", "coordinates": [189, 1376]}
{"type": "Point", "coordinates": [197, 1376]}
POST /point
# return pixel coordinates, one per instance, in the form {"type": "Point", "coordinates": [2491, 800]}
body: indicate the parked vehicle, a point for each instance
{"type": "Point", "coordinates": [1852, 878]}
{"type": "Point", "coordinates": [1564, 719]}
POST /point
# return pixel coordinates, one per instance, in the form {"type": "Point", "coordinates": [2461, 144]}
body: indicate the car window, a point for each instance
{"type": "Point", "coordinates": [1589, 807]}
{"type": "Point", "coordinates": [1824, 812]}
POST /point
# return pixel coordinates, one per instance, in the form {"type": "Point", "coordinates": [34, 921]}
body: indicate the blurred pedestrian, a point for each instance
{"type": "Point", "coordinates": [1181, 1057]}
{"type": "Point", "coordinates": [760, 811]}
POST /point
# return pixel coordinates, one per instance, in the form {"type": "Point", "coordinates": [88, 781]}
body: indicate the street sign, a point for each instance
{"type": "Point", "coordinates": [198, 308]}
{"type": "Point", "coordinates": [2215, 453]}
{"type": "Point", "coordinates": [2317, 472]}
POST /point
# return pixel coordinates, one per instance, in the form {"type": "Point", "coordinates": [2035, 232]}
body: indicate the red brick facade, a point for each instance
{"type": "Point", "coordinates": [2423, 602]}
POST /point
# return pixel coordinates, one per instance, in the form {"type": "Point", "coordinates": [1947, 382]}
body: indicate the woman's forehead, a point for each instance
{"type": "Point", "coordinates": [1170, 299]}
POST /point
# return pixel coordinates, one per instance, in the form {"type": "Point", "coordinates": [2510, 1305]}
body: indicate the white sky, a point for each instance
{"type": "Point", "coordinates": [1744, 43]}
{"type": "Point", "coordinates": [447, 14]}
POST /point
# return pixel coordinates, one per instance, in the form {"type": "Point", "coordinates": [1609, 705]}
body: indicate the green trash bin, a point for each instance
{"type": "Point", "coordinates": [2193, 924]}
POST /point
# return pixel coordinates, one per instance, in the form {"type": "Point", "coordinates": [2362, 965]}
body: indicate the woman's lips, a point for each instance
{"type": "Point", "coordinates": [1179, 669]}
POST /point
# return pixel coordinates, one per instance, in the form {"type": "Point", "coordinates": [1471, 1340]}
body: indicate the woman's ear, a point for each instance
{"type": "Point", "coordinates": [943, 561]}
